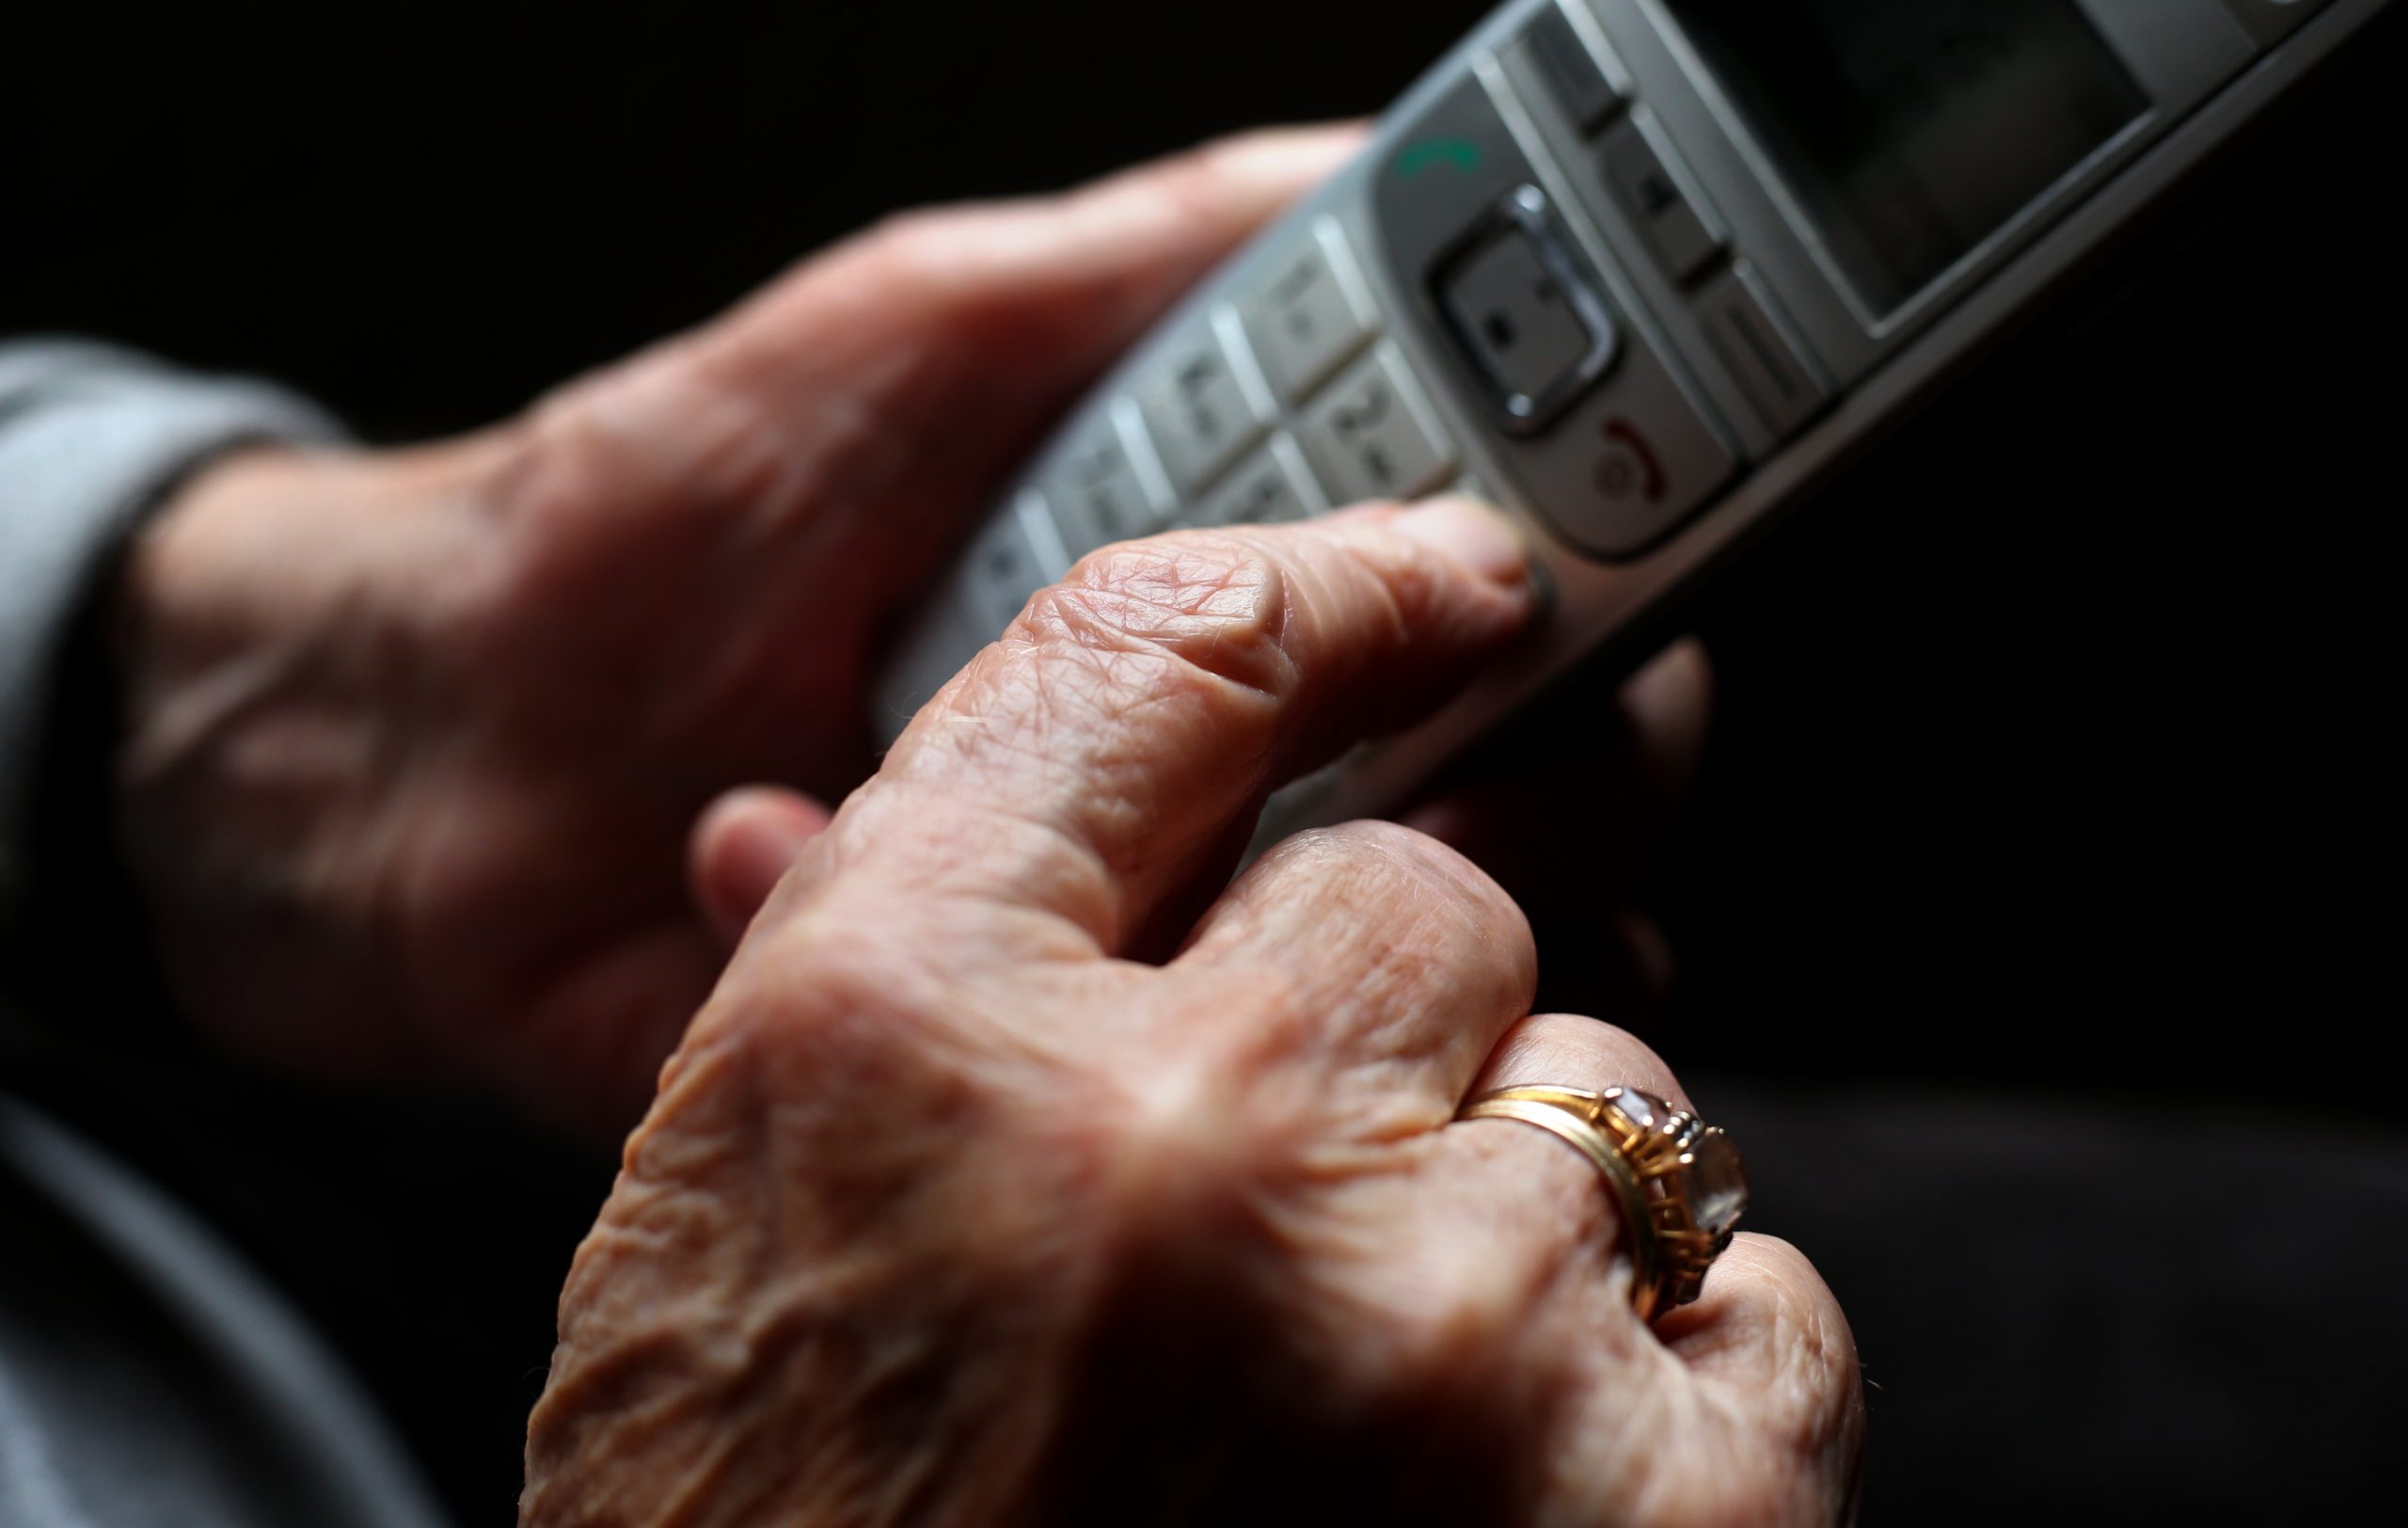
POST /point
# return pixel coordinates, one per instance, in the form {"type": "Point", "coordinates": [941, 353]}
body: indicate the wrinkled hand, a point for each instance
{"type": "Point", "coordinates": [416, 739]}
{"type": "Point", "coordinates": [951, 1212]}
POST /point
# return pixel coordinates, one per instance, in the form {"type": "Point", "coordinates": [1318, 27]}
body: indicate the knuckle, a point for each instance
{"type": "Point", "coordinates": [1192, 1143]}
{"type": "Point", "coordinates": [1466, 1302]}
{"type": "Point", "coordinates": [1199, 1147]}
{"type": "Point", "coordinates": [915, 241]}
{"type": "Point", "coordinates": [936, 260]}
{"type": "Point", "coordinates": [1398, 857]}
{"type": "Point", "coordinates": [838, 980]}
{"type": "Point", "coordinates": [1192, 187]}
{"type": "Point", "coordinates": [820, 1035]}
{"type": "Point", "coordinates": [1441, 1320]}
{"type": "Point", "coordinates": [1203, 606]}
{"type": "Point", "coordinates": [1444, 903]}
{"type": "Point", "coordinates": [1574, 1045]}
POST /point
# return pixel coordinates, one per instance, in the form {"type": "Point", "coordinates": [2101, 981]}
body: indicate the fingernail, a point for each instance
{"type": "Point", "coordinates": [1481, 538]}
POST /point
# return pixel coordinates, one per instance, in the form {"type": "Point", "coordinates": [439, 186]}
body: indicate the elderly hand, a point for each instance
{"type": "Point", "coordinates": [953, 1208]}
{"type": "Point", "coordinates": [416, 742]}
{"type": "Point", "coordinates": [416, 739]}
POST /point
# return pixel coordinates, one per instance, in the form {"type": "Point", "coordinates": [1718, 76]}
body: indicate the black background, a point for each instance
{"type": "Point", "coordinates": [2050, 753]}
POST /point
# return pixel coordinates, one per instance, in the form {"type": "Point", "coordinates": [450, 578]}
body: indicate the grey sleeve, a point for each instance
{"type": "Point", "coordinates": [91, 439]}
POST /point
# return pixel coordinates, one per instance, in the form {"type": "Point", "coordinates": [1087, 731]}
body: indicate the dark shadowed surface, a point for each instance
{"type": "Point", "coordinates": [2049, 764]}
{"type": "Point", "coordinates": [2074, 1307]}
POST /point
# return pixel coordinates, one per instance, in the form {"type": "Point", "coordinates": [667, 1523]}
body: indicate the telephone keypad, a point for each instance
{"type": "Point", "coordinates": [1200, 402]}
{"type": "Point", "coordinates": [1285, 398]}
{"type": "Point", "coordinates": [1099, 488]}
{"type": "Point", "coordinates": [1007, 562]}
{"type": "Point", "coordinates": [1271, 486]}
{"type": "Point", "coordinates": [1308, 312]}
{"type": "Point", "coordinates": [1374, 435]}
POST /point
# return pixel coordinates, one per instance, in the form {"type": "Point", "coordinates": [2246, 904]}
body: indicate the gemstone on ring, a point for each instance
{"type": "Point", "coordinates": [1712, 1185]}
{"type": "Point", "coordinates": [1717, 1185]}
{"type": "Point", "coordinates": [1638, 1109]}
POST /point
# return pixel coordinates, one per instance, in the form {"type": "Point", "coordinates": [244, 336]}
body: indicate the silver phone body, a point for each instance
{"type": "Point", "coordinates": [1610, 267]}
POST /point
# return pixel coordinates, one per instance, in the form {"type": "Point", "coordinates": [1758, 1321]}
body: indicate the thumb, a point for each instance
{"type": "Point", "coordinates": [742, 847]}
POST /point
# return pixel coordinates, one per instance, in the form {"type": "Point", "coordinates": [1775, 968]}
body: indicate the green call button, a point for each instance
{"type": "Point", "coordinates": [1462, 153]}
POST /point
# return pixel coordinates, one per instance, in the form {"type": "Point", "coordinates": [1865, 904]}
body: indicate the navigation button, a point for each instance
{"type": "Point", "coordinates": [1374, 435]}
{"type": "Point", "coordinates": [1658, 195]}
{"type": "Point", "coordinates": [1198, 405]}
{"type": "Point", "coordinates": [1526, 314]}
{"type": "Point", "coordinates": [1308, 312]}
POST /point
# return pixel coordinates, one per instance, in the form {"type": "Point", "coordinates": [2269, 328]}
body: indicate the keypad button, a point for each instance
{"type": "Point", "coordinates": [1005, 563]}
{"type": "Point", "coordinates": [1044, 535]}
{"type": "Point", "coordinates": [1201, 404]}
{"type": "Point", "coordinates": [1102, 489]}
{"type": "Point", "coordinates": [1575, 77]}
{"type": "Point", "coordinates": [1737, 316]}
{"type": "Point", "coordinates": [1307, 311]}
{"type": "Point", "coordinates": [1373, 434]}
{"type": "Point", "coordinates": [1659, 195]}
{"type": "Point", "coordinates": [1271, 486]}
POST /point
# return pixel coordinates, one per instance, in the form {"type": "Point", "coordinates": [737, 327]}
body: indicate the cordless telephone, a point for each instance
{"type": "Point", "coordinates": [1639, 272]}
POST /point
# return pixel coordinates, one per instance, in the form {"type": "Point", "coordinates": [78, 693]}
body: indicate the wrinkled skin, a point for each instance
{"type": "Point", "coordinates": [947, 1212]}
{"type": "Point", "coordinates": [418, 739]}
{"type": "Point", "coordinates": [992, 1183]}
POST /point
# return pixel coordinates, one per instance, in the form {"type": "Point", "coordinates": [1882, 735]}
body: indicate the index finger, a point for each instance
{"type": "Point", "coordinates": [1121, 736]}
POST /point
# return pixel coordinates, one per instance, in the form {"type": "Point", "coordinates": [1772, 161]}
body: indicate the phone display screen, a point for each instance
{"type": "Point", "coordinates": [1911, 130]}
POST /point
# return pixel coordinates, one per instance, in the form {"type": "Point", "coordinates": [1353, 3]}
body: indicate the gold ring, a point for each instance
{"type": "Point", "coordinates": [1679, 1183]}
